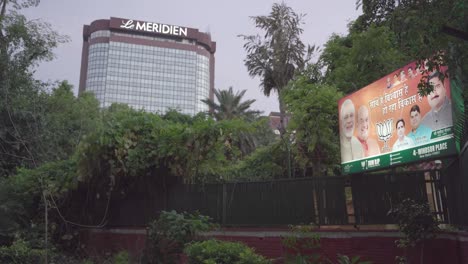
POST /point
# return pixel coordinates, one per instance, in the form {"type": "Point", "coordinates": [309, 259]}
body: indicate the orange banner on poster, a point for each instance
{"type": "Point", "coordinates": [389, 115]}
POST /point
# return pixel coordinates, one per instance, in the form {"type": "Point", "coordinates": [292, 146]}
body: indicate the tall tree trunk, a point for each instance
{"type": "Point", "coordinates": [283, 118]}
{"type": "Point", "coordinates": [421, 256]}
{"type": "Point", "coordinates": [3, 10]}
{"type": "Point", "coordinates": [282, 130]}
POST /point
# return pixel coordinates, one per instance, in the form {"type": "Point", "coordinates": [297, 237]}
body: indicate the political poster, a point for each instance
{"type": "Point", "coordinates": [387, 123]}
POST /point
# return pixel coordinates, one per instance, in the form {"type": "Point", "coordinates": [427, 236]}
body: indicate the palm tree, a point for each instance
{"type": "Point", "coordinates": [230, 105]}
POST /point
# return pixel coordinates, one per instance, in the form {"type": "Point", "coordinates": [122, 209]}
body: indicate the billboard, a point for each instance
{"type": "Point", "coordinates": [388, 123]}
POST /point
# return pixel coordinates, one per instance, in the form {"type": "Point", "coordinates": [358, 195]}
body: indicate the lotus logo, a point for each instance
{"type": "Point", "coordinates": [384, 131]}
{"type": "Point", "coordinates": [128, 25]}
{"type": "Point", "coordinates": [347, 168]}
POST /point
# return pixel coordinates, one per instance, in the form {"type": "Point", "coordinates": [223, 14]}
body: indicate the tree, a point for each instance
{"type": "Point", "coordinates": [23, 44]}
{"type": "Point", "coordinates": [423, 28]}
{"type": "Point", "coordinates": [353, 61]}
{"type": "Point", "coordinates": [265, 163]}
{"type": "Point", "coordinates": [433, 30]}
{"type": "Point", "coordinates": [279, 54]}
{"type": "Point", "coordinates": [315, 124]}
{"type": "Point", "coordinates": [22, 210]}
{"type": "Point", "coordinates": [45, 127]}
{"type": "Point", "coordinates": [230, 105]}
{"type": "Point", "coordinates": [63, 122]}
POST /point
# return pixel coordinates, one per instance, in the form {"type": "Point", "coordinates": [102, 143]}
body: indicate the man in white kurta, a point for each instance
{"type": "Point", "coordinates": [402, 142]}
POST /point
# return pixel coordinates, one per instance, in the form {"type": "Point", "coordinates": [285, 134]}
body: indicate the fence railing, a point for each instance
{"type": "Point", "coordinates": [375, 195]}
{"type": "Point", "coordinates": [358, 199]}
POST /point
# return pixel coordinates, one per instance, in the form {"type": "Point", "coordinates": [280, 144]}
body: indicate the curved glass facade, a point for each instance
{"type": "Point", "coordinates": [97, 70]}
{"type": "Point", "coordinates": [150, 76]}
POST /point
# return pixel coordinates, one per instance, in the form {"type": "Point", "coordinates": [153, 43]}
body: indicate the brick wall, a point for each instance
{"type": "Point", "coordinates": [377, 246]}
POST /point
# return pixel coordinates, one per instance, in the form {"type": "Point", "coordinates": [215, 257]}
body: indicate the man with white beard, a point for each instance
{"type": "Point", "coordinates": [351, 148]}
{"type": "Point", "coordinates": [370, 146]}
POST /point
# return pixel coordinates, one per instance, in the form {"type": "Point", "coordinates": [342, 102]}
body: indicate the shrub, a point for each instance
{"type": "Point", "coordinates": [415, 221]}
{"type": "Point", "coordinates": [121, 258]}
{"type": "Point", "coordinates": [343, 259]}
{"type": "Point", "coordinates": [168, 235]}
{"type": "Point", "coordinates": [302, 246]}
{"type": "Point", "coordinates": [417, 224]}
{"type": "Point", "coordinates": [20, 252]}
{"type": "Point", "coordinates": [221, 252]}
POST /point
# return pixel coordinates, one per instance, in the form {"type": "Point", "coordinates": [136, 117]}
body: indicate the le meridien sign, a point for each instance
{"type": "Point", "coordinates": [387, 123]}
{"type": "Point", "coordinates": [154, 27]}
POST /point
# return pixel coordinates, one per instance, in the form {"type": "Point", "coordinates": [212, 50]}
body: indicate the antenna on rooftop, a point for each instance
{"type": "Point", "coordinates": [208, 30]}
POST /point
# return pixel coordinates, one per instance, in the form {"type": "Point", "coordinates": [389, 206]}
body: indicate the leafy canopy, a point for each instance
{"type": "Point", "coordinates": [314, 123]}
{"type": "Point", "coordinates": [424, 30]}
{"type": "Point", "coordinates": [23, 101]}
{"type": "Point", "coordinates": [135, 143]}
{"type": "Point", "coordinates": [351, 62]}
{"type": "Point", "coordinates": [436, 31]}
{"type": "Point", "coordinates": [279, 54]}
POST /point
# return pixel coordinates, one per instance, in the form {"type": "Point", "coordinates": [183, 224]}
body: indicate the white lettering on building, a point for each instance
{"type": "Point", "coordinates": [141, 26]}
{"type": "Point", "coordinates": [154, 27]}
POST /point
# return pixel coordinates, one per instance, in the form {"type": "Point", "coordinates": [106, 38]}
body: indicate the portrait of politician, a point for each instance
{"type": "Point", "coordinates": [440, 115]}
{"type": "Point", "coordinates": [411, 73]}
{"type": "Point", "coordinates": [402, 142]}
{"type": "Point", "coordinates": [370, 147]}
{"type": "Point", "coordinates": [403, 76]}
{"type": "Point", "coordinates": [351, 148]}
{"type": "Point", "coordinates": [419, 133]}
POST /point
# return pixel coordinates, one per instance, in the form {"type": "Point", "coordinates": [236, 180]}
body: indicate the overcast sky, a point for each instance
{"type": "Point", "coordinates": [225, 20]}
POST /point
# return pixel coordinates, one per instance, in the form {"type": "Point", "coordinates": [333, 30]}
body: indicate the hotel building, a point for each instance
{"type": "Point", "coordinates": [147, 65]}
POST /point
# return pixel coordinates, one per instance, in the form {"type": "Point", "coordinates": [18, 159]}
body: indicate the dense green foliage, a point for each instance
{"type": "Point", "coordinates": [23, 44]}
{"type": "Point", "coordinates": [415, 221]}
{"type": "Point", "coordinates": [121, 258]}
{"type": "Point", "coordinates": [422, 27]}
{"type": "Point", "coordinates": [22, 198]}
{"type": "Point", "coordinates": [51, 141]}
{"type": "Point", "coordinates": [65, 121]}
{"type": "Point", "coordinates": [46, 127]}
{"type": "Point", "coordinates": [417, 224]}
{"type": "Point", "coordinates": [433, 30]}
{"type": "Point", "coordinates": [265, 163]}
{"type": "Point", "coordinates": [351, 62]}
{"type": "Point", "coordinates": [222, 252]}
{"type": "Point", "coordinates": [20, 252]}
{"type": "Point", "coordinates": [134, 143]}
{"type": "Point", "coordinates": [169, 233]}
{"type": "Point", "coordinates": [303, 246]}
{"type": "Point", "coordinates": [230, 106]}
{"type": "Point", "coordinates": [314, 124]}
